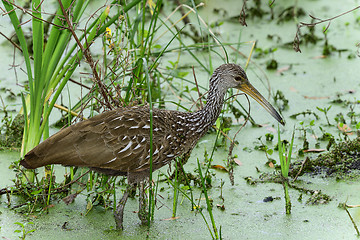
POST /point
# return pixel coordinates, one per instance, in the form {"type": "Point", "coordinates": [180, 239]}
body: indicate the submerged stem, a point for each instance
{"type": "Point", "coordinates": [287, 197]}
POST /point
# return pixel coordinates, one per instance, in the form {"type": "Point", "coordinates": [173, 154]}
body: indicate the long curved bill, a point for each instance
{"type": "Point", "coordinates": [251, 91]}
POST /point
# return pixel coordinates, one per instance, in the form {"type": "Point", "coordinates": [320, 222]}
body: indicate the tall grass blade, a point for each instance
{"type": "Point", "coordinates": [208, 204]}
{"type": "Point", "coordinates": [151, 196]}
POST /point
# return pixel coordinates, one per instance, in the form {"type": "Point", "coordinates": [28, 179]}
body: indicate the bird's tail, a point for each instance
{"type": "Point", "coordinates": [31, 161]}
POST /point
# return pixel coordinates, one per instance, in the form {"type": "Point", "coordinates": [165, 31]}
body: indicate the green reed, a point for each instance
{"type": "Point", "coordinates": [285, 160]}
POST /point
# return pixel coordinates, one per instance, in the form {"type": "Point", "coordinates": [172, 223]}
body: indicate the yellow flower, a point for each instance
{"type": "Point", "coordinates": [108, 34]}
{"type": "Point", "coordinates": [108, 31]}
{"type": "Point", "coordinates": [197, 207]}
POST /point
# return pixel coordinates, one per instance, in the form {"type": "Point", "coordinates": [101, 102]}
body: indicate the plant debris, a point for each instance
{"type": "Point", "coordinates": [342, 161]}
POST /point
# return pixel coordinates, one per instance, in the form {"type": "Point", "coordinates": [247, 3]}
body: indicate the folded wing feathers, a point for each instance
{"type": "Point", "coordinates": [116, 140]}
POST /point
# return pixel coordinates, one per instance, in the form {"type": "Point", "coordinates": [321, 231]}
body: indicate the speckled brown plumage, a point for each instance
{"type": "Point", "coordinates": [117, 142]}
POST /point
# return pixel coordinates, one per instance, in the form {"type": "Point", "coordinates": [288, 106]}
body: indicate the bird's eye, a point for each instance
{"type": "Point", "coordinates": [238, 78]}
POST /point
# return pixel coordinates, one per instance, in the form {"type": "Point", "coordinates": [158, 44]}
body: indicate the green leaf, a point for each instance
{"type": "Point", "coordinates": [218, 123]}
{"type": "Point", "coordinates": [19, 223]}
{"type": "Point", "coordinates": [320, 109]}
{"type": "Point", "coordinates": [36, 192]}
{"type": "Point", "coordinates": [182, 74]}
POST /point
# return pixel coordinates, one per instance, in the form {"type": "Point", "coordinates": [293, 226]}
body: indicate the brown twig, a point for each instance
{"type": "Point", "coordinates": [19, 205]}
{"type": "Point", "coordinates": [352, 220]}
{"type": "Point", "coordinates": [232, 144]}
{"type": "Point", "coordinates": [6, 190]}
{"type": "Point", "coordinates": [242, 17]}
{"type": "Point", "coordinates": [301, 168]}
{"type": "Point", "coordinates": [11, 41]}
{"type": "Point", "coordinates": [296, 42]}
{"type": "Point", "coordinates": [88, 58]}
{"type": "Point", "coordinates": [78, 83]}
{"type": "Point", "coordinates": [29, 12]}
{"type": "Point", "coordinates": [197, 86]}
{"type": "Point", "coordinates": [59, 189]}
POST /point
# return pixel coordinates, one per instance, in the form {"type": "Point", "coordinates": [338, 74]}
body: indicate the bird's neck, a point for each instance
{"type": "Point", "coordinates": [212, 109]}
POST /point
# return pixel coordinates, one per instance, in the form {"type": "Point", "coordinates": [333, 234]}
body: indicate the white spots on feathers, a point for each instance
{"type": "Point", "coordinates": [115, 119]}
{"type": "Point", "coordinates": [111, 160]}
{"type": "Point", "coordinates": [141, 166]}
{"type": "Point", "coordinates": [126, 148]}
{"type": "Point", "coordinates": [137, 146]}
{"type": "Point", "coordinates": [99, 124]}
{"type": "Point", "coordinates": [200, 129]}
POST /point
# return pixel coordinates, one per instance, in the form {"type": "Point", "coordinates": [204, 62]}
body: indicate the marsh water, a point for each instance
{"type": "Point", "coordinates": [307, 79]}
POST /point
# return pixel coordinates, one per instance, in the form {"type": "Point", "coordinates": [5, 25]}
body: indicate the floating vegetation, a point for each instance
{"type": "Point", "coordinates": [290, 13]}
{"type": "Point", "coordinates": [11, 131]}
{"type": "Point", "coordinates": [315, 196]}
{"type": "Point", "coordinates": [307, 112]}
{"type": "Point", "coordinates": [342, 161]}
{"type": "Point", "coordinates": [281, 101]}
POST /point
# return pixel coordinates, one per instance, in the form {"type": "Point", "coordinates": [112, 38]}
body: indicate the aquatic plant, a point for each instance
{"type": "Point", "coordinates": [285, 159]}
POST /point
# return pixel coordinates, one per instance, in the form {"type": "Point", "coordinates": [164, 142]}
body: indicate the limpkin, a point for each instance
{"type": "Point", "coordinates": [117, 142]}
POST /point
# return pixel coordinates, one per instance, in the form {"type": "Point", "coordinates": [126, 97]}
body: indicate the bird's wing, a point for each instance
{"type": "Point", "coordinates": [114, 140]}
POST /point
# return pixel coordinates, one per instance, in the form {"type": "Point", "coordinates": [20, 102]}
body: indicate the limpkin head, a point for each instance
{"type": "Point", "coordinates": [233, 76]}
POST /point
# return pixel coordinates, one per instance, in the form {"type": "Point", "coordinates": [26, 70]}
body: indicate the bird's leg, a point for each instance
{"type": "Point", "coordinates": [119, 211]}
{"type": "Point", "coordinates": [143, 213]}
